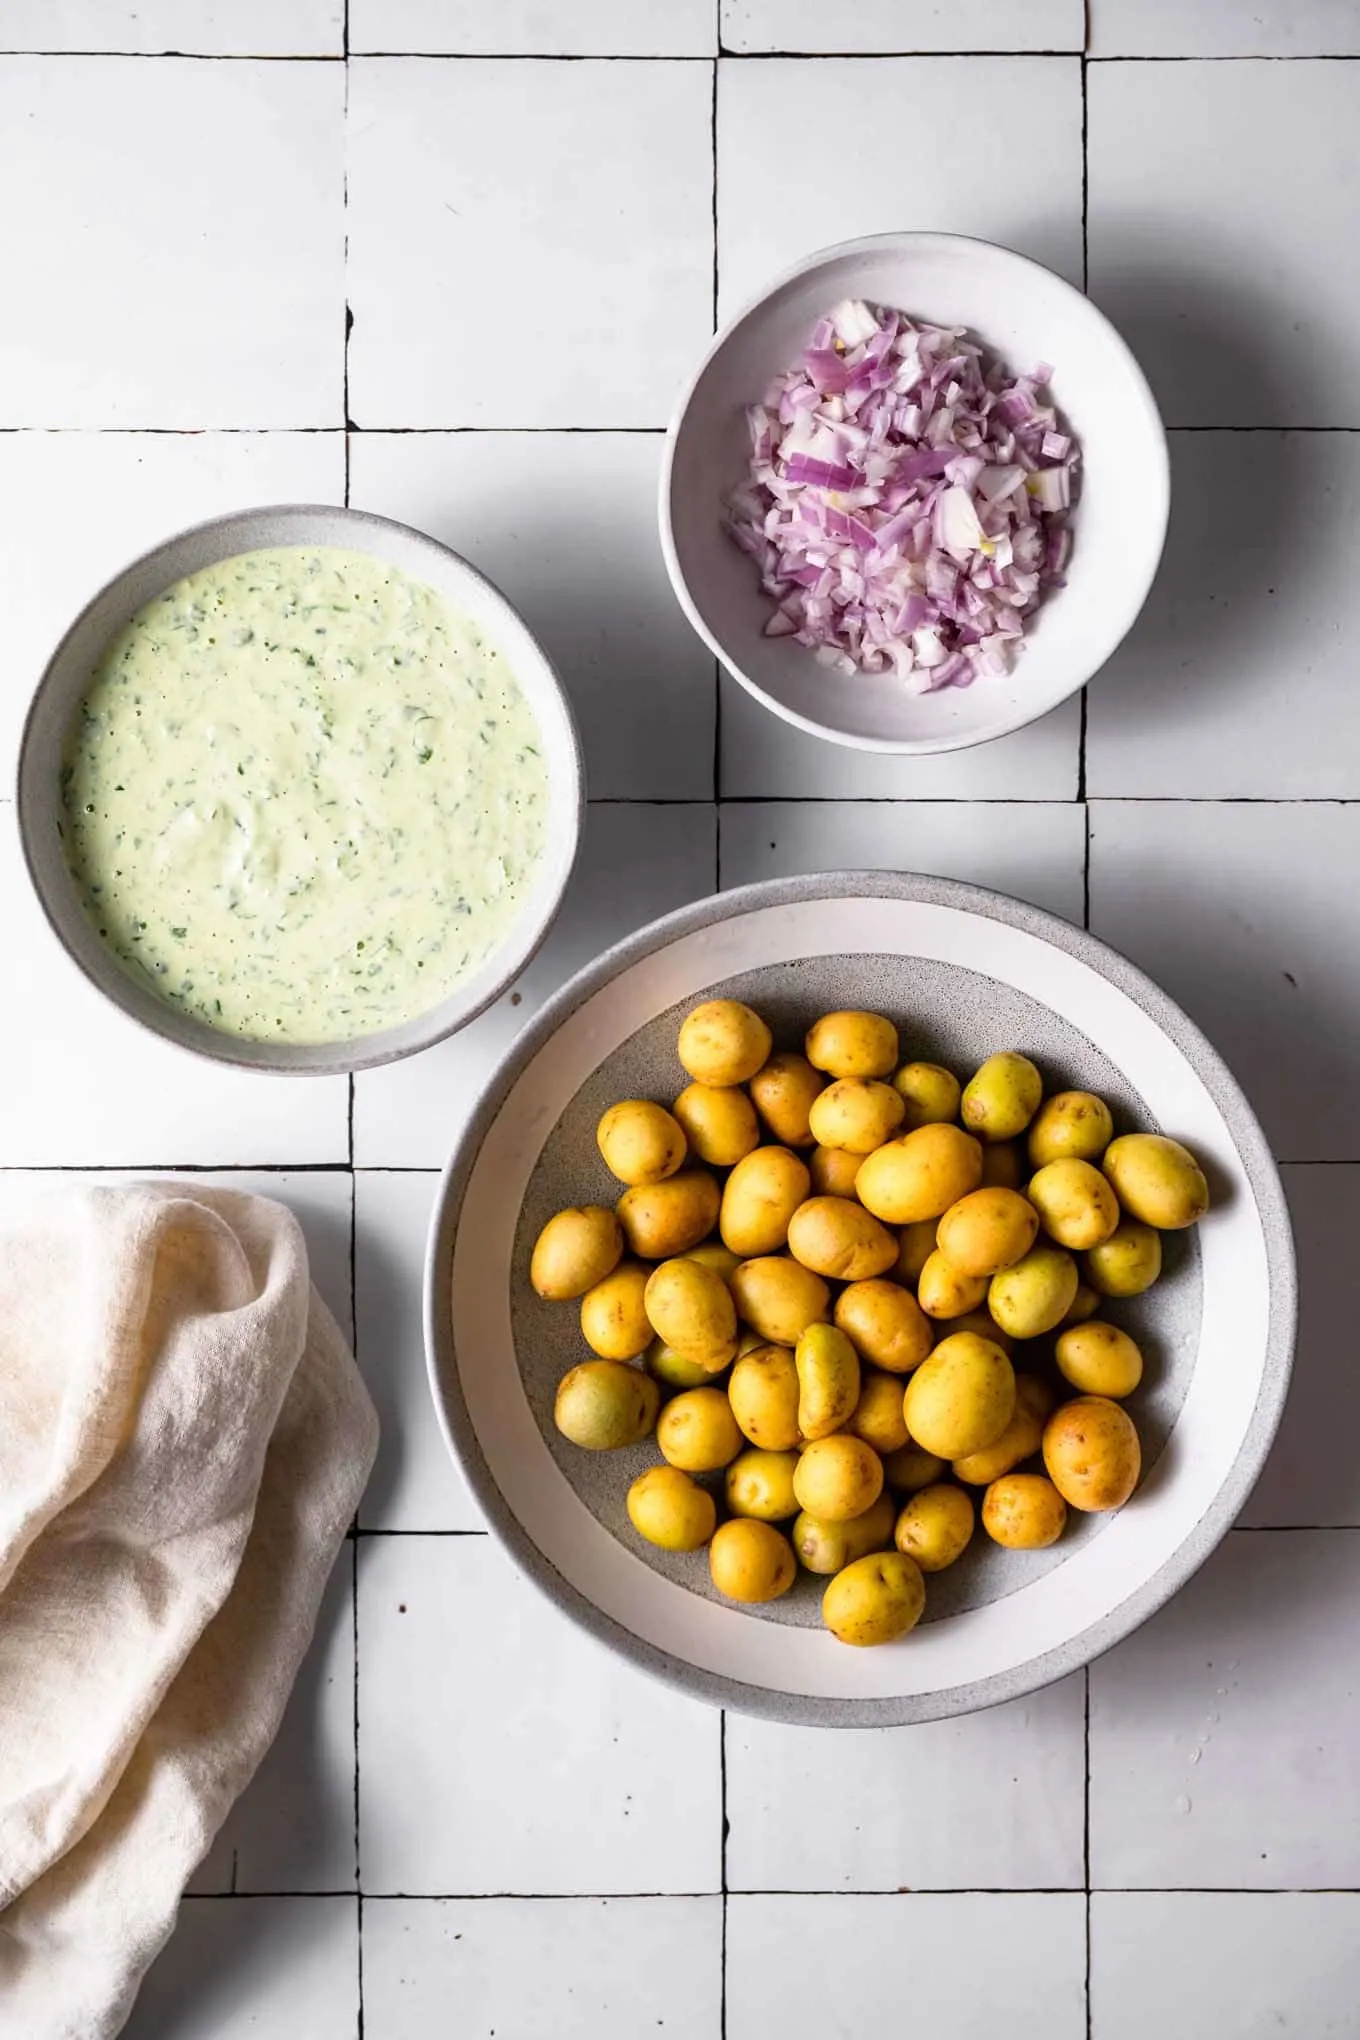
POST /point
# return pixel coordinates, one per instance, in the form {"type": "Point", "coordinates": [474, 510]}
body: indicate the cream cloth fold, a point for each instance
{"type": "Point", "coordinates": [184, 1438]}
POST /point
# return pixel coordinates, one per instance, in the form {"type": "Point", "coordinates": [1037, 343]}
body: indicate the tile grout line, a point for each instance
{"type": "Point", "coordinates": [1279, 429]}
{"type": "Point", "coordinates": [722, 1778]}
{"type": "Point", "coordinates": [1086, 1841]}
{"type": "Point", "coordinates": [856, 56]}
{"type": "Point", "coordinates": [1086, 285]}
{"type": "Point", "coordinates": [717, 667]}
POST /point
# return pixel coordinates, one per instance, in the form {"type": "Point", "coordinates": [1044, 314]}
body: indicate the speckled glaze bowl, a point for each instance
{"type": "Point", "coordinates": [963, 972]}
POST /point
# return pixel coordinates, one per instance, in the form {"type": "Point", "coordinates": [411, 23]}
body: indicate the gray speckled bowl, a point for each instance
{"type": "Point", "coordinates": [68, 674]}
{"type": "Point", "coordinates": [963, 972]}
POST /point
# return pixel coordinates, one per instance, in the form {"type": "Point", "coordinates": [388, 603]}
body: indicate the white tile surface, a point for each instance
{"type": "Point", "coordinates": [529, 28]}
{"type": "Point", "coordinates": [501, 1750]}
{"type": "Point", "coordinates": [1237, 1965]}
{"type": "Point", "coordinates": [635, 864]}
{"type": "Point", "coordinates": [838, 1968]}
{"type": "Point", "coordinates": [1216, 255]}
{"type": "Point", "coordinates": [600, 1968]}
{"type": "Point", "coordinates": [254, 1969]}
{"type": "Point", "coordinates": [995, 1800]}
{"type": "Point", "coordinates": [597, 175]}
{"type": "Point", "coordinates": [883, 27]}
{"type": "Point", "coordinates": [641, 681]}
{"type": "Point", "coordinates": [1238, 678]}
{"type": "Point", "coordinates": [209, 297]}
{"type": "Point", "coordinates": [1225, 1746]}
{"type": "Point", "coordinates": [1035, 851]}
{"type": "Point", "coordinates": [1249, 915]}
{"type": "Point", "coordinates": [254, 28]}
{"type": "Point", "coordinates": [1224, 28]}
{"type": "Point", "coordinates": [813, 153]}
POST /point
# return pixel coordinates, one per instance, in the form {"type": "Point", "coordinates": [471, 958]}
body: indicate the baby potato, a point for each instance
{"type": "Point", "coordinates": [930, 1093]}
{"type": "Point", "coordinates": [1070, 1126]}
{"type": "Point", "coordinates": [691, 1310]}
{"type": "Point", "coordinates": [1036, 1294]}
{"type": "Point", "coordinates": [836, 1236]}
{"type": "Point", "coordinates": [985, 1325]}
{"type": "Point", "coordinates": [852, 1045]}
{"type": "Point", "coordinates": [779, 1298]}
{"type": "Point", "coordinates": [943, 1293]}
{"type": "Point", "coordinates": [877, 1417]}
{"type": "Point", "coordinates": [713, 1254]}
{"type": "Point", "coordinates": [830, 1547]}
{"type": "Point", "coordinates": [640, 1142]}
{"type": "Point", "coordinates": [1099, 1359]}
{"type": "Point", "coordinates": [601, 1405]}
{"type": "Point", "coordinates": [961, 1398]}
{"type": "Point", "coordinates": [1127, 1263]}
{"type": "Point", "coordinates": [920, 1175]}
{"type": "Point", "coordinates": [935, 1526]}
{"type": "Point", "coordinates": [986, 1231]}
{"type": "Point", "coordinates": [723, 1042]}
{"type": "Point", "coordinates": [1002, 1165]}
{"type": "Point", "coordinates": [575, 1250]}
{"type": "Point", "coordinates": [1092, 1453]}
{"type": "Point", "coordinates": [763, 1392]}
{"type": "Point", "coordinates": [1001, 1098]}
{"type": "Point", "coordinates": [760, 1484]}
{"type": "Point", "coordinates": [1020, 1440]}
{"type": "Point", "coordinates": [837, 1477]}
{"type": "Point", "coordinates": [909, 1469]}
{"type": "Point", "coordinates": [828, 1380]}
{"type": "Point", "coordinates": [759, 1198]}
{"type": "Point", "coordinates": [1157, 1180]}
{"type": "Point", "coordinates": [1024, 1512]}
{"type": "Point", "coordinates": [833, 1171]}
{"type": "Point", "coordinates": [875, 1600]}
{"type": "Point", "coordinates": [670, 1510]}
{"type": "Point", "coordinates": [614, 1320]}
{"type": "Point", "coordinates": [918, 1243]}
{"type": "Point", "coordinates": [661, 1220]}
{"type": "Point", "coordinates": [856, 1113]}
{"type": "Point", "coordinates": [885, 1325]}
{"type": "Point", "coordinates": [698, 1432]}
{"type": "Point", "coordinates": [675, 1370]}
{"type": "Point", "coordinates": [783, 1091]}
{"type": "Point", "coordinates": [750, 1561]}
{"type": "Point", "coordinates": [1076, 1204]}
{"type": "Point", "coordinates": [1084, 1304]}
{"type": "Point", "coordinates": [719, 1122]}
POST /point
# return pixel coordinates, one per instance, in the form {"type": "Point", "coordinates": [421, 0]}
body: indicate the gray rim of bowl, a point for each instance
{"type": "Point", "coordinates": [866, 244]}
{"type": "Point", "coordinates": [1257, 1161]}
{"type": "Point", "coordinates": [193, 1038]}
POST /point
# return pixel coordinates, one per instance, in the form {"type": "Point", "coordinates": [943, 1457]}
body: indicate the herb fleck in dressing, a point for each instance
{"type": "Point", "coordinates": [303, 796]}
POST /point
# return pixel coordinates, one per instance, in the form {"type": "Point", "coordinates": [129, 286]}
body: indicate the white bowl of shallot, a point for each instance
{"type": "Point", "coordinates": [916, 494]}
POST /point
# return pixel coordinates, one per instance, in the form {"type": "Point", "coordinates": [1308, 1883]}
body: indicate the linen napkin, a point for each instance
{"type": "Point", "coordinates": [184, 1438]}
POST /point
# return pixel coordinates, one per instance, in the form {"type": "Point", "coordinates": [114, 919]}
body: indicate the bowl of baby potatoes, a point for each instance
{"type": "Point", "coordinates": [860, 1299]}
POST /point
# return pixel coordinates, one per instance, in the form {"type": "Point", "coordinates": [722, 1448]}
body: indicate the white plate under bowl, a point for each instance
{"type": "Point", "coordinates": [1025, 314]}
{"type": "Point", "coordinates": [963, 972]}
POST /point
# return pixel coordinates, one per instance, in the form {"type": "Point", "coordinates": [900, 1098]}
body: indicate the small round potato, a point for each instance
{"type": "Point", "coordinates": [833, 1171]}
{"type": "Point", "coordinates": [698, 1432]}
{"type": "Point", "coordinates": [877, 1417]}
{"type": "Point", "coordinates": [1001, 1098]}
{"type": "Point", "coordinates": [601, 1405]}
{"type": "Point", "coordinates": [1003, 1165]}
{"type": "Point", "coordinates": [1070, 1126]}
{"type": "Point", "coordinates": [1024, 1512]}
{"type": "Point", "coordinates": [837, 1477]}
{"type": "Point", "coordinates": [1076, 1204]}
{"type": "Point", "coordinates": [575, 1250]}
{"type": "Point", "coordinates": [930, 1093]}
{"type": "Point", "coordinates": [987, 1230]}
{"type": "Point", "coordinates": [985, 1325]}
{"type": "Point", "coordinates": [885, 1324]}
{"type": "Point", "coordinates": [783, 1092]}
{"type": "Point", "coordinates": [1157, 1180]}
{"type": "Point", "coordinates": [1036, 1294]}
{"type": "Point", "coordinates": [911, 1469]}
{"type": "Point", "coordinates": [713, 1254]}
{"type": "Point", "coordinates": [763, 1392]}
{"type": "Point", "coordinates": [935, 1526]}
{"type": "Point", "coordinates": [1092, 1454]}
{"type": "Point", "coordinates": [661, 1220]}
{"type": "Point", "coordinates": [1020, 1440]}
{"type": "Point", "coordinates": [723, 1042]}
{"type": "Point", "coordinates": [720, 1124]}
{"type": "Point", "coordinates": [920, 1175]}
{"type": "Point", "coordinates": [641, 1142]}
{"type": "Point", "coordinates": [830, 1547]}
{"type": "Point", "coordinates": [836, 1236]}
{"type": "Point", "coordinates": [759, 1198]}
{"type": "Point", "coordinates": [614, 1320]}
{"type": "Point", "coordinates": [751, 1561]}
{"type": "Point", "coordinates": [875, 1600]}
{"type": "Point", "coordinates": [828, 1380]}
{"type": "Point", "coordinates": [779, 1298]}
{"type": "Point", "coordinates": [670, 1510]}
{"type": "Point", "coordinates": [961, 1398]}
{"type": "Point", "coordinates": [1127, 1263]}
{"type": "Point", "coordinates": [943, 1293]}
{"type": "Point", "coordinates": [852, 1045]}
{"type": "Point", "coordinates": [1099, 1359]}
{"type": "Point", "coordinates": [857, 1113]}
{"type": "Point", "coordinates": [690, 1308]}
{"type": "Point", "coordinates": [760, 1484]}
{"type": "Point", "coordinates": [918, 1243]}
{"type": "Point", "coordinates": [1085, 1304]}
{"type": "Point", "coordinates": [675, 1370]}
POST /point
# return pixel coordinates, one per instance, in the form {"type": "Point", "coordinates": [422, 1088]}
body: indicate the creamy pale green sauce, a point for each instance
{"type": "Point", "coordinates": [303, 798]}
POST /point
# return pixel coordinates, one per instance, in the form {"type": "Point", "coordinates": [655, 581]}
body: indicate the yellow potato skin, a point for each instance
{"type": "Point", "coordinates": [575, 1250]}
{"type": "Point", "coordinates": [838, 1477]}
{"type": "Point", "coordinates": [662, 1220]}
{"type": "Point", "coordinates": [1099, 1359]}
{"type": "Point", "coordinates": [760, 1484]}
{"type": "Point", "coordinates": [1070, 1126]}
{"type": "Point", "coordinates": [852, 1044]}
{"type": "Point", "coordinates": [935, 1526]}
{"type": "Point", "coordinates": [1020, 1440]}
{"type": "Point", "coordinates": [916, 1245]}
{"type": "Point", "coordinates": [930, 1093]}
{"type": "Point", "coordinates": [1075, 1203]}
{"type": "Point", "coordinates": [602, 1405]}
{"type": "Point", "coordinates": [877, 1417]}
{"type": "Point", "coordinates": [1036, 1294]}
{"type": "Point", "coordinates": [1157, 1180]}
{"type": "Point", "coordinates": [987, 1230]}
{"type": "Point", "coordinates": [614, 1321]}
{"type": "Point", "coordinates": [675, 1370]}
{"type": "Point", "coordinates": [885, 1324]}
{"type": "Point", "coordinates": [759, 1198]}
{"type": "Point", "coordinates": [783, 1091]}
{"type": "Point", "coordinates": [837, 1237]}
{"type": "Point", "coordinates": [875, 1600]}
{"type": "Point", "coordinates": [962, 1398]}
{"type": "Point", "coordinates": [697, 1431]}
{"type": "Point", "coordinates": [985, 1325]}
{"type": "Point", "coordinates": [1023, 1511]}
{"type": "Point", "coordinates": [1127, 1263]}
{"type": "Point", "coordinates": [751, 1561]}
{"type": "Point", "coordinates": [919, 1175]}
{"type": "Point", "coordinates": [690, 1308]}
{"type": "Point", "coordinates": [1003, 1166]}
{"type": "Point", "coordinates": [857, 1113]}
{"type": "Point", "coordinates": [763, 1392]}
{"type": "Point", "coordinates": [943, 1293]}
{"type": "Point", "coordinates": [670, 1510]}
{"type": "Point", "coordinates": [828, 1380]}
{"type": "Point", "coordinates": [720, 1124]}
{"type": "Point", "coordinates": [1091, 1453]}
{"type": "Point", "coordinates": [723, 1042]}
{"type": "Point", "coordinates": [713, 1254]}
{"type": "Point", "coordinates": [830, 1547]}
{"type": "Point", "coordinates": [1001, 1097]}
{"type": "Point", "coordinates": [833, 1171]}
{"type": "Point", "coordinates": [910, 1469]}
{"type": "Point", "coordinates": [1084, 1304]}
{"type": "Point", "coordinates": [779, 1298]}
{"type": "Point", "coordinates": [640, 1142]}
